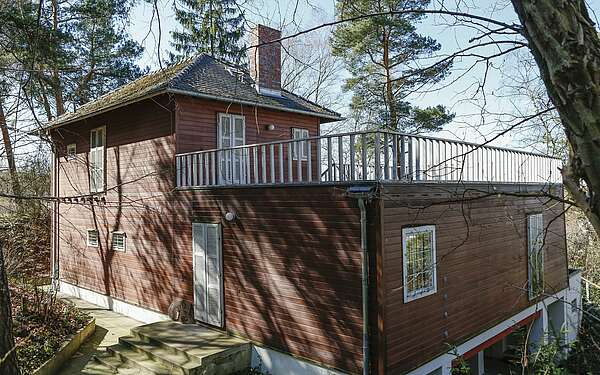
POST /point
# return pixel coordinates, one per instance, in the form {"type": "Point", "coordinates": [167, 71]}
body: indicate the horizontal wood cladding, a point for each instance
{"type": "Point", "coordinates": [291, 270]}
{"type": "Point", "coordinates": [197, 123]}
{"type": "Point", "coordinates": [481, 249]}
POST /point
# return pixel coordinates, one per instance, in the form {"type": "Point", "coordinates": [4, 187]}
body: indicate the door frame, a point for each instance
{"type": "Point", "coordinates": [221, 276]}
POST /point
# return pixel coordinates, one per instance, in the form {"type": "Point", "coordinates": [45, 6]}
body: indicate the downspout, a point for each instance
{"type": "Point", "coordinates": [365, 283]}
{"type": "Point", "coordinates": [54, 265]}
{"type": "Point", "coordinates": [362, 193]}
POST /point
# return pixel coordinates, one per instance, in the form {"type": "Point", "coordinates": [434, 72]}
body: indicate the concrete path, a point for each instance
{"type": "Point", "coordinates": [109, 327]}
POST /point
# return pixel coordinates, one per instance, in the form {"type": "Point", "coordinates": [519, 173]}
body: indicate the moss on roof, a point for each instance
{"type": "Point", "coordinates": [201, 75]}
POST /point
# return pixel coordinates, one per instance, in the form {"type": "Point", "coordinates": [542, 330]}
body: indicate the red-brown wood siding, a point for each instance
{"type": "Point", "coordinates": [197, 119]}
{"type": "Point", "coordinates": [292, 260]}
{"type": "Point", "coordinates": [481, 266]}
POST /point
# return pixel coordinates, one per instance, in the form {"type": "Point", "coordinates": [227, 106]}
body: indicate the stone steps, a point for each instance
{"type": "Point", "coordinates": [172, 348]}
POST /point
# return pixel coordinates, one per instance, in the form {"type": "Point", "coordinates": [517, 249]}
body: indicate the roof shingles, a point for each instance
{"type": "Point", "coordinates": [201, 76]}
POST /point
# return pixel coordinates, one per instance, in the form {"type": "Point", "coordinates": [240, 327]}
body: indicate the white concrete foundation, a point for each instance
{"type": "Point", "coordinates": [132, 311]}
{"type": "Point", "coordinates": [276, 363]}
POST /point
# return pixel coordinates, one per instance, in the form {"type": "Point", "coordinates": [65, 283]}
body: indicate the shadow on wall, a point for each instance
{"type": "Point", "coordinates": [292, 259]}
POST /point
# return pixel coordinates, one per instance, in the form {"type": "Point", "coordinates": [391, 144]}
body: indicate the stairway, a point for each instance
{"type": "Point", "coordinates": [172, 348]}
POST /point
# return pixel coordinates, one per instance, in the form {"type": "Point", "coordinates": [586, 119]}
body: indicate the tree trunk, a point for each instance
{"type": "Point", "coordinates": [10, 156]}
{"type": "Point", "coordinates": [389, 93]}
{"type": "Point", "coordinates": [58, 97]}
{"type": "Point", "coordinates": [8, 358]}
{"type": "Point", "coordinates": [566, 47]}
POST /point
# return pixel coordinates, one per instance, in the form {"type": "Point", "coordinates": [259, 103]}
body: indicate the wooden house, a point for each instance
{"type": "Point", "coordinates": [362, 252]}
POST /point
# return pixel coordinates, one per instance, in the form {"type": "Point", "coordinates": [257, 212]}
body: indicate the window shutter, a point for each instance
{"type": "Point", "coordinates": [213, 265]}
{"type": "Point", "coordinates": [208, 303]}
{"type": "Point", "coordinates": [96, 163]}
{"type": "Point", "coordinates": [199, 251]}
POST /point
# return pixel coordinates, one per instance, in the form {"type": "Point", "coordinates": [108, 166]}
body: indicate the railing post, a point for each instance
{"type": "Point", "coordinates": [386, 157]}
{"type": "Point", "coordinates": [318, 157]}
{"type": "Point", "coordinates": [364, 156]}
{"type": "Point", "coordinates": [394, 156]}
{"type": "Point", "coordinates": [290, 158]}
{"type": "Point", "coordinates": [341, 158]}
{"type": "Point", "coordinates": [308, 161]}
{"type": "Point", "coordinates": [411, 166]}
{"type": "Point", "coordinates": [377, 156]}
{"type": "Point", "coordinates": [263, 163]}
{"type": "Point", "coordinates": [418, 159]}
{"type": "Point", "coordinates": [299, 161]}
{"type": "Point", "coordinates": [272, 162]}
{"type": "Point", "coordinates": [403, 158]}
{"type": "Point", "coordinates": [255, 163]}
{"type": "Point", "coordinates": [329, 163]}
{"type": "Point", "coordinates": [281, 173]}
{"type": "Point", "coordinates": [352, 158]}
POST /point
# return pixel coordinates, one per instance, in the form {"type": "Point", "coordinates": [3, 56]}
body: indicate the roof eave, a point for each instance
{"type": "Point", "coordinates": [57, 123]}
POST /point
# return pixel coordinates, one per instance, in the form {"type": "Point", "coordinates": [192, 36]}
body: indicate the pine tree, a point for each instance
{"type": "Point", "coordinates": [71, 53]}
{"type": "Point", "coordinates": [381, 53]}
{"type": "Point", "coordinates": [210, 26]}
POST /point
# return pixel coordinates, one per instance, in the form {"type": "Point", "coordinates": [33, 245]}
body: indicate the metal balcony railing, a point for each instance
{"type": "Point", "coordinates": [363, 156]}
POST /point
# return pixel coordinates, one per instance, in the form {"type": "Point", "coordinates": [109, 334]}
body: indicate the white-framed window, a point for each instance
{"type": "Point", "coordinates": [119, 241]}
{"type": "Point", "coordinates": [298, 133]}
{"type": "Point", "coordinates": [535, 254]}
{"type": "Point", "coordinates": [231, 132]}
{"type": "Point", "coordinates": [419, 262]}
{"type": "Point", "coordinates": [92, 238]}
{"type": "Point", "coordinates": [71, 151]}
{"type": "Point", "coordinates": [96, 166]}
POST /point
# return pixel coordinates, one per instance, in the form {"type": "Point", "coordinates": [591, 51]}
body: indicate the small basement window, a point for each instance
{"type": "Point", "coordinates": [419, 262]}
{"type": "Point", "coordinates": [92, 238]}
{"type": "Point", "coordinates": [119, 241]}
{"type": "Point", "coordinates": [71, 151]}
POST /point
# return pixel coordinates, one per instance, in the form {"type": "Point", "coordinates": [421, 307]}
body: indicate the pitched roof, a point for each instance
{"type": "Point", "coordinates": [201, 76]}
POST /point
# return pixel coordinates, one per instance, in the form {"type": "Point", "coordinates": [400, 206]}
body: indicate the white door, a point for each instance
{"type": "Point", "coordinates": [232, 133]}
{"type": "Point", "coordinates": [208, 273]}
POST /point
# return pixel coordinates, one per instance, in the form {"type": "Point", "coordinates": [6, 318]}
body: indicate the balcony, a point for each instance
{"type": "Point", "coordinates": [370, 156]}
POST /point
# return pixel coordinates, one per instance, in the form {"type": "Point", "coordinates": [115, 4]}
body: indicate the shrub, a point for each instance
{"type": "Point", "coordinates": [41, 323]}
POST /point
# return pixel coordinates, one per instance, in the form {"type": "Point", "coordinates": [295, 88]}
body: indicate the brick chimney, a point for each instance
{"type": "Point", "coordinates": [265, 60]}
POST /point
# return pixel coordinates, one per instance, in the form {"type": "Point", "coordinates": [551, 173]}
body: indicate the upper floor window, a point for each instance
{"type": "Point", "coordinates": [419, 262]}
{"type": "Point", "coordinates": [97, 147]}
{"type": "Point", "coordinates": [301, 147]}
{"type": "Point", "coordinates": [71, 151]}
{"type": "Point", "coordinates": [535, 252]}
{"type": "Point", "coordinates": [119, 241]}
{"type": "Point", "coordinates": [92, 238]}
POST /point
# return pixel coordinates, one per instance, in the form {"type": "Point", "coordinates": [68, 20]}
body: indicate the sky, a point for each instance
{"type": "Point", "coordinates": [455, 92]}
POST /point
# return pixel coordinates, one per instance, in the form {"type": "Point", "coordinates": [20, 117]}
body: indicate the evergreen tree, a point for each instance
{"type": "Point", "coordinates": [381, 53]}
{"type": "Point", "coordinates": [68, 53]}
{"type": "Point", "coordinates": [210, 26]}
